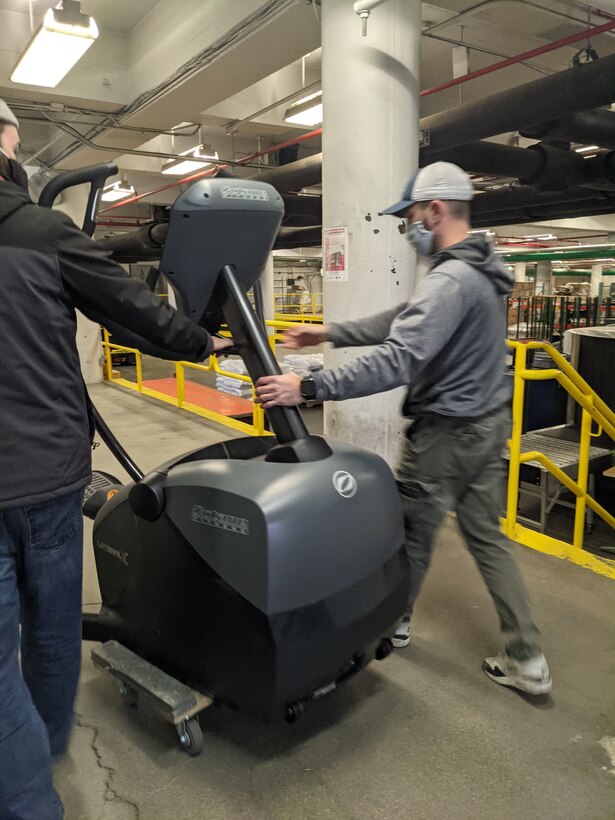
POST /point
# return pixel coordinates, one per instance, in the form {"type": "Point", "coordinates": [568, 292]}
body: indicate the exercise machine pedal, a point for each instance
{"type": "Point", "coordinates": [101, 488]}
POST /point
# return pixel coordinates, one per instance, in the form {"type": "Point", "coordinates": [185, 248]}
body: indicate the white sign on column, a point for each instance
{"type": "Point", "coordinates": [335, 255]}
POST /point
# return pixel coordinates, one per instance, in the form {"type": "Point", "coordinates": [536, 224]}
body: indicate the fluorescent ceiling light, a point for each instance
{"type": "Point", "coordinates": [60, 42]}
{"type": "Point", "coordinates": [541, 236]}
{"type": "Point", "coordinates": [307, 111]}
{"type": "Point", "coordinates": [195, 161]}
{"type": "Point", "coordinates": [587, 148]}
{"type": "Point", "coordinates": [117, 191]}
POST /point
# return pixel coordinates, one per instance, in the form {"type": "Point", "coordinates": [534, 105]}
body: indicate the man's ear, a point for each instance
{"type": "Point", "coordinates": [436, 209]}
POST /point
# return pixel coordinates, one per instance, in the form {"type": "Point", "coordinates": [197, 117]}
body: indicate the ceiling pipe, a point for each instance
{"type": "Point", "coordinates": [459, 18]}
{"type": "Point", "coordinates": [519, 58]}
{"type": "Point", "coordinates": [147, 243]}
{"type": "Point", "coordinates": [295, 175]}
{"type": "Point", "coordinates": [202, 174]}
{"type": "Point", "coordinates": [588, 127]}
{"type": "Point", "coordinates": [571, 210]}
{"type": "Point", "coordinates": [577, 89]}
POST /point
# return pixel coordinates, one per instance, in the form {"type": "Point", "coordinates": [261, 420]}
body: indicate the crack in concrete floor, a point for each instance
{"type": "Point", "coordinates": [110, 794]}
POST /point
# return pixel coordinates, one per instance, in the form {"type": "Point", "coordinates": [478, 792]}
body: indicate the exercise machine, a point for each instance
{"type": "Point", "coordinates": [261, 572]}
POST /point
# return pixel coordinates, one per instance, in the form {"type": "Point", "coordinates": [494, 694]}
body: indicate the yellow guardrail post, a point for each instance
{"type": "Point", "coordinates": [515, 440]}
{"type": "Point", "coordinates": [582, 478]}
{"type": "Point", "coordinates": [108, 360]}
{"type": "Point", "coordinates": [139, 365]}
{"type": "Point", "coordinates": [180, 379]}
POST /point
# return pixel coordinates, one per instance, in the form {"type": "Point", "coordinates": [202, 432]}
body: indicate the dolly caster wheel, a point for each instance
{"type": "Point", "coordinates": [191, 736]}
{"type": "Point", "coordinates": [385, 647]}
{"type": "Point", "coordinates": [294, 711]}
{"type": "Point", "coordinates": [129, 695]}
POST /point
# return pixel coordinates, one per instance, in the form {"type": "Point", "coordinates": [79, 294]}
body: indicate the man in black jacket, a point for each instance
{"type": "Point", "coordinates": [48, 268]}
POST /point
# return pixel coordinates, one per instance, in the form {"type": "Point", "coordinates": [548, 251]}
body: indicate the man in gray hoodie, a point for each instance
{"type": "Point", "coordinates": [447, 346]}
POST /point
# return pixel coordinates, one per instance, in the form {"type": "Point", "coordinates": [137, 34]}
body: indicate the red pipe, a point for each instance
{"type": "Point", "coordinates": [527, 55]}
{"type": "Point", "coordinates": [208, 173]}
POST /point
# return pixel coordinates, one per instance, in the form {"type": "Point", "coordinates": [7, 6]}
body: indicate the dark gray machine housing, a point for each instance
{"type": "Point", "coordinates": [237, 221]}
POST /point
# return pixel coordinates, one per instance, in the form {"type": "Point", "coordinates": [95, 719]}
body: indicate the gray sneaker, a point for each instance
{"type": "Point", "coordinates": [531, 676]}
{"type": "Point", "coordinates": [401, 636]}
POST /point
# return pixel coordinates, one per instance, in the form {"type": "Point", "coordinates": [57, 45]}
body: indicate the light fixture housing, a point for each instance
{"type": "Point", "coordinates": [59, 43]}
{"type": "Point", "coordinates": [117, 191]}
{"type": "Point", "coordinates": [186, 162]}
{"type": "Point", "coordinates": [307, 111]}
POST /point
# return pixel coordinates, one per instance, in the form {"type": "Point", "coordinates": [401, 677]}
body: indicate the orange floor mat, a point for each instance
{"type": "Point", "coordinates": [205, 397]}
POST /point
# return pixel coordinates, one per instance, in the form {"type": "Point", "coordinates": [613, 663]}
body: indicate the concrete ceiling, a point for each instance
{"type": "Point", "coordinates": [274, 49]}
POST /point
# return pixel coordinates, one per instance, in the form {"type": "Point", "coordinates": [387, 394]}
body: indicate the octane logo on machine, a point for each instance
{"type": "Point", "coordinates": [345, 484]}
{"type": "Point", "coordinates": [240, 192]}
{"type": "Point", "coordinates": [222, 521]}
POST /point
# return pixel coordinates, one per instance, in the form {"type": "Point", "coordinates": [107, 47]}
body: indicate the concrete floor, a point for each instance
{"type": "Point", "coordinates": [423, 735]}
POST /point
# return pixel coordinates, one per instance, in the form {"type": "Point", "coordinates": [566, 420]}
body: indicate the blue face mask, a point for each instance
{"type": "Point", "coordinates": [421, 239]}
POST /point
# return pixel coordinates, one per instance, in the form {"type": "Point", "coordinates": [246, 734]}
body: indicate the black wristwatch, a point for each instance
{"type": "Point", "coordinates": [307, 388]}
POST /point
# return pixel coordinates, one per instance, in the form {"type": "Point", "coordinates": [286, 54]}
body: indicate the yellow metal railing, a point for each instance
{"type": "Point", "coordinates": [257, 428]}
{"type": "Point", "coordinates": [593, 409]}
{"type": "Point", "coordinates": [298, 307]}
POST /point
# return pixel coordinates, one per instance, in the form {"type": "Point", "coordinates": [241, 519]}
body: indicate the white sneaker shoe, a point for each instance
{"type": "Point", "coordinates": [531, 676]}
{"type": "Point", "coordinates": [401, 637]}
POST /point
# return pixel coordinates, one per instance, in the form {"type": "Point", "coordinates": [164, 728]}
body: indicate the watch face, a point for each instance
{"type": "Point", "coordinates": [308, 389]}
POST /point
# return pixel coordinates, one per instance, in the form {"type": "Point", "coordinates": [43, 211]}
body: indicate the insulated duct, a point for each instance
{"type": "Point", "coordinates": [295, 175]}
{"type": "Point", "coordinates": [147, 243]}
{"type": "Point", "coordinates": [588, 127]}
{"type": "Point", "coordinates": [502, 209]}
{"type": "Point", "coordinates": [583, 87]}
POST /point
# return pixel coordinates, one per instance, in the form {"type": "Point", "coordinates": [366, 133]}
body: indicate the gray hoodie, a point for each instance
{"type": "Point", "coordinates": [446, 344]}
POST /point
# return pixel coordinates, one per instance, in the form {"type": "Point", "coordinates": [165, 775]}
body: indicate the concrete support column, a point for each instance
{"type": "Point", "coordinates": [268, 290]}
{"type": "Point", "coordinates": [520, 272]}
{"type": "Point", "coordinates": [73, 204]}
{"type": "Point", "coordinates": [596, 280]}
{"type": "Point", "coordinates": [370, 149]}
{"type": "Point", "coordinates": [543, 278]}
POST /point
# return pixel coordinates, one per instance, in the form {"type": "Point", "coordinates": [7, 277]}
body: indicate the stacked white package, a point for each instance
{"type": "Point", "coordinates": [234, 387]}
{"type": "Point", "coordinates": [304, 364]}
{"type": "Point", "coordinates": [231, 386]}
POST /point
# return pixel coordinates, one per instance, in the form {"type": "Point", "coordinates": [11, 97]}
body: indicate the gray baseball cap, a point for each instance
{"type": "Point", "coordinates": [440, 180]}
{"type": "Point", "coordinates": [6, 115]}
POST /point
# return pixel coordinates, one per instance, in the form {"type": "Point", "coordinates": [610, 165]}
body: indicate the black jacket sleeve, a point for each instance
{"type": "Point", "coordinates": [135, 316]}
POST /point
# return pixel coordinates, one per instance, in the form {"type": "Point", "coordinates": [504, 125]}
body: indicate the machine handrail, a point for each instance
{"type": "Point", "coordinates": [95, 175]}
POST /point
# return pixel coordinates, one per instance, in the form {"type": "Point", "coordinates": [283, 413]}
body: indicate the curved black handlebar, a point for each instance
{"type": "Point", "coordinates": [96, 175]}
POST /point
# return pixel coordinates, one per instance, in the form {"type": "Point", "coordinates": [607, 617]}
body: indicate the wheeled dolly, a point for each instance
{"type": "Point", "coordinates": [177, 703]}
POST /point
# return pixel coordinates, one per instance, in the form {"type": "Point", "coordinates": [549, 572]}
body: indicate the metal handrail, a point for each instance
{"type": "Point", "coordinates": [257, 428]}
{"type": "Point", "coordinates": [593, 408]}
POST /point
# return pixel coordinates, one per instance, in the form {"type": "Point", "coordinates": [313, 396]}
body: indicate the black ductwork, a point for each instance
{"type": "Point", "coordinates": [295, 175]}
{"type": "Point", "coordinates": [583, 87]}
{"type": "Point", "coordinates": [497, 208]}
{"type": "Point", "coordinates": [591, 207]}
{"type": "Point", "coordinates": [540, 109]}
{"type": "Point", "coordinates": [482, 157]}
{"type": "Point", "coordinates": [147, 243]}
{"type": "Point", "coordinates": [589, 127]}
{"type": "Point", "coordinates": [143, 245]}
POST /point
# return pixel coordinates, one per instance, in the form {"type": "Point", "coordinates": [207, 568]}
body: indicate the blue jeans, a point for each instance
{"type": "Point", "coordinates": [41, 548]}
